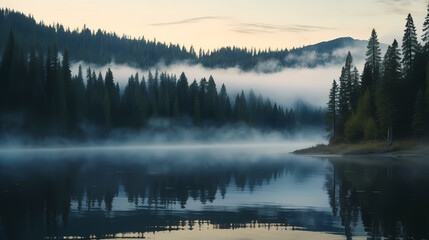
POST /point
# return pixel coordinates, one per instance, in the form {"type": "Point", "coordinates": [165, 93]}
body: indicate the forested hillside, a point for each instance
{"type": "Point", "coordinates": [101, 47]}
{"type": "Point", "coordinates": [390, 99]}
{"type": "Point", "coordinates": [40, 96]}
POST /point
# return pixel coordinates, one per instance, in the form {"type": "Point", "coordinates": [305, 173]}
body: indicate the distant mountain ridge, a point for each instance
{"type": "Point", "coordinates": [335, 44]}
{"type": "Point", "coordinates": [100, 47]}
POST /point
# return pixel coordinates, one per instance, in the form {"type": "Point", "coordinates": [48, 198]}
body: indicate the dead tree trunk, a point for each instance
{"type": "Point", "coordinates": [389, 138]}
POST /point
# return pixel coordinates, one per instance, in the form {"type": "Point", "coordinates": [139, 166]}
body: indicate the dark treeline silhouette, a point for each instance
{"type": "Point", "coordinates": [39, 95]}
{"type": "Point", "coordinates": [101, 47]}
{"type": "Point", "coordinates": [95, 47]}
{"type": "Point", "coordinates": [391, 96]}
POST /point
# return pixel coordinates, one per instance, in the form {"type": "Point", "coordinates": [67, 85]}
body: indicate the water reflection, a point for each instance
{"type": "Point", "coordinates": [103, 195]}
{"type": "Point", "coordinates": [388, 197]}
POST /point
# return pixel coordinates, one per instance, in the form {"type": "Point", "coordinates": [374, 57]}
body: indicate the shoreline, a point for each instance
{"type": "Point", "coordinates": [399, 149]}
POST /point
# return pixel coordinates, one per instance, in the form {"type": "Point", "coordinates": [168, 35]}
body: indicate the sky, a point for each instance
{"type": "Point", "coordinates": [244, 23]}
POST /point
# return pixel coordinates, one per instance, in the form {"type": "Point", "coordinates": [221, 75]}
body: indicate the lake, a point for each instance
{"type": "Point", "coordinates": [209, 192]}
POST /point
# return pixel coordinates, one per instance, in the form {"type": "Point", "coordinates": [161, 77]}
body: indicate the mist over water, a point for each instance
{"type": "Point", "coordinates": [162, 135]}
{"type": "Point", "coordinates": [75, 194]}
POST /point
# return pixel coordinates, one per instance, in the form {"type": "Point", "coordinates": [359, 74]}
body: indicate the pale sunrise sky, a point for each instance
{"type": "Point", "coordinates": [244, 23]}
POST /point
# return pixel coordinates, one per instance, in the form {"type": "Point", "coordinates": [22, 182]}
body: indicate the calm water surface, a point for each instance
{"type": "Point", "coordinates": [220, 192]}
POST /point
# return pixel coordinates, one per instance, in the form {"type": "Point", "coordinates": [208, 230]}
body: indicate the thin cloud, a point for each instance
{"type": "Point", "coordinates": [255, 28]}
{"type": "Point", "coordinates": [248, 27]}
{"type": "Point", "coordinates": [400, 6]}
{"type": "Point", "coordinates": [243, 31]}
{"type": "Point", "coordinates": [188, 20]}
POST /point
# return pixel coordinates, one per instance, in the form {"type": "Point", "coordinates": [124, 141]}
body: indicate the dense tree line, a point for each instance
{"type": "Point", "coordinates": [98, 47]}
{"type": "Point", "coordinates": [102, 47]}
{"type": "Point", "coordinates": [39, 94]}
{"type": "Point", "coordinates": [391, 96]}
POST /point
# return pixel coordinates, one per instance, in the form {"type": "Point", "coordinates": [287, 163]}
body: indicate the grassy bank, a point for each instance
{"type": "Point", "coordinates": [400, 147]}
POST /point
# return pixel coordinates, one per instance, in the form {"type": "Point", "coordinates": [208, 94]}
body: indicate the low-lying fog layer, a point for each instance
{"type": "Point", "coordinates": [164, 136]}
{"type": "Point", "coordinates": [285, 87]}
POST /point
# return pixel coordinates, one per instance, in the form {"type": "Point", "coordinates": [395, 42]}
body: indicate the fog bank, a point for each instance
{"type": "Point", "coordinates": [165, 135]}
{"type": "Point", "coordinates": [284, 87]}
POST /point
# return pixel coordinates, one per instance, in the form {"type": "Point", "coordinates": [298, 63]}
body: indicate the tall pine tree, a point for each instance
{"type": "Point", "coordinates": [331, 114]}
{"type": "Point", "coordinates": [345, 94]}
{"type": "Point", "coordinates": [419, 122]}
{"type": "Point", "coordinates": [387, 91]}
{"type": "Point", "coordinates": [372, 64]}
{"type": "Point", "coordinates": [410, 50]}
{"type": "Point", "coordinates": [410, 47]}
{"type": "Point", "coordinates": [425, 36]}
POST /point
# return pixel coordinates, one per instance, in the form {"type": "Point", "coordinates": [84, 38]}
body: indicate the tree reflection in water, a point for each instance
{"type": "Point", "coordinates": [388, 196]}
{"type": "Point", "coordinates": [82, 196]}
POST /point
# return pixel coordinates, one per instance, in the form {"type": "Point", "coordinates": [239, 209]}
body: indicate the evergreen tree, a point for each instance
{"type": "Point", "coordinates": [113, 98]}
{"type": "Point", "coordinates": [366, 78]}
{"type": "Point", "coordinates": [411, 52]}
{"type": "Point", "coordinates": [106, 109]}
{"type": "Point", "coordinates": [343, 107]}
{"type": "Point", "coordinates": [164, 98]}
{"type": "Point", "coordinates": [367, 84]}
{"type": "Point", "coordinates": [211, 101]}
{"type": "Point", "coordinates": [357, 126]}
{"type": "Point", "coordinates": [18, 81]}
{"type": "Point", "coordinates": [224, 105]}
{"type": "Point", "coordinates": [59, 90]}
{"type": "Point", "coordinates": [372, 68]}
{"type": "Point", "coordinates": [70, 104]}
{"type": "Point", "coordinates": [50, 73]}
{"type": "Point", "coordinates": [196, 112]}
{"type": "Point", "coordinates": [5, 67]}
{"type": "Point", "coordinates": [127, 103]}
{"type": "Point", "coordinates": [425, 36]}
{"type": "Point", "coordinates": [419, 122]}
{"type": "Point", "coordinates": [38, 95]}
{"type": "Point", "coordinates": [95, 101]}
{"type": "Point", "coordinates": [370, 129]}
{"type": "Point", "coordinates": [193, 95]}
{"type": "Point", "coordinates": [345, 93]}
{"type": "Point", "coordinates": [140, 103]}
{"type": "Point", "coordinates": [80, 97]}
{"type": "Point", "coordinates": [373, 60]}
{"type": "Point", "coordinates": [353, 129]}
{"type": "Point", "coordinates": [176, 112]}
{"type": "Point", "coordinates": [202, 91]}
{"type": "Point", "coordinates": [100, 106]}
{"type": "Point", "coordinates": [355, 88]}
{"type": "Point", "coordinates": [427, 86]}
{"type": "Point", "coordinates": [144, 90]}
{"type": "Point", "coordinates": [388, 90]}
{"type": "Point", "coordinates": [153, 95]}
{"type": "Point", "coordinates": [242, 114]}
{"type": "Point", "coordinates": [331, 114]}
{"type": "Point", "coordinates": [410, 47]}
{"type": "Point", "coordinates": [182, 93]}
{"type": "Point", "coordinates": [349, 81]}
